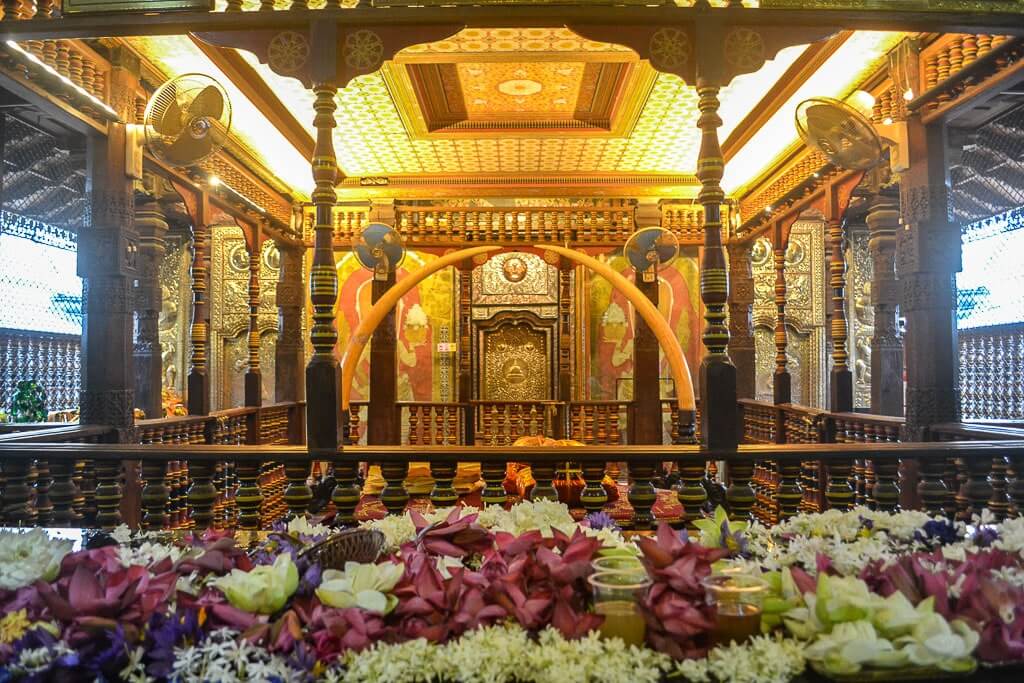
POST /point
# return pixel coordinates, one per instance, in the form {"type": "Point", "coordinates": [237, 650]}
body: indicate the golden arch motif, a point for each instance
{"type": "Point", "coordinates": [644, 307]}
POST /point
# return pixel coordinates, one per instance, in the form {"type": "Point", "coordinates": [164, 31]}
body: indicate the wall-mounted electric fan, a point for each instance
{"type": "Point", "coordinates": [187, 119]}
{"type": "Point", "coordinates": [380, 249]}
{"type": "Point", "coordinates": [648, 249]}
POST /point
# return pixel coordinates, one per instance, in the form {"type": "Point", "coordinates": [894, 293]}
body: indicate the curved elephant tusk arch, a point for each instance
{"type": "Point", "coordinates": [357, 342]}
{"type": "Point", "coordinates": [651, 315]}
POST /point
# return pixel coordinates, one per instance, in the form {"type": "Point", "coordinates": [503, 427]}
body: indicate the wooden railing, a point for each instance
{"type": "Point", "coordinates": [432, 424]}
{"type": "Point", "coordinates": [22, 497]}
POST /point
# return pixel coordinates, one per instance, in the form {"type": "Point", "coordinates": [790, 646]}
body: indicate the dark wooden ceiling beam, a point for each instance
{"type": "Point", "coordinates": [252, 85]}
{"type": "Point", "coordinates": [182, 23]}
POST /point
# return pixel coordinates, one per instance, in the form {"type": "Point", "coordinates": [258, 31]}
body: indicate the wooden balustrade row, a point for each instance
{"type": "Point", "coordinates": [763, 479]}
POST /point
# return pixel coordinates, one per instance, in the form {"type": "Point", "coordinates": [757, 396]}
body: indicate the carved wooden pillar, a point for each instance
{"type": "Point", "coordinates": [565, 303]}
{"type": "Point", "coordinates": [107, 258]}
{"type": "Point", "coordinates": [322, 372]}
{"type": "Point", "coordinates": [741, 327]}
{"type": "Point", "coordinates": [841, 384]}
{"type": "Point", "coordinates": [289, 354]}
{"type": "Point", "coordinates": [198, 388]}
{"type": "Point", "coordinates": [465, 371]}
{"type": "Point", "coordinates": [382, 415]}
{"type": "Point", "coordinates": [646, 399]}
{"type": "Point", "coordinates": [782, 390]}
{"type": "Point", "coordinates": [929, 257]}
{"type": "Point", "coordinates": [253, 375]}
{"type": "Point", "coordinates": [883, 221]}
{"type": "Point", "coordinates": [151, 227]}
{"type": "Point", "coordinates": [717, 374]}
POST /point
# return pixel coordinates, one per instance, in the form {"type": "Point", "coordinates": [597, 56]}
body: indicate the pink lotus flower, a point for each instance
{"type": "Point", "coordinates": [455, 537]}
{"type": "Point", "coordinates": [96, 592]}
{"type": "Point", "coordinates": [334, 631]}
{"type": "Point", "coordinates": [679, 618]}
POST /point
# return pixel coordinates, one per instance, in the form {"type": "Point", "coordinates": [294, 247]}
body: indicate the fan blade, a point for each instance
{"type": "Point", "coordinates": [187, 150]}
{"type": "Point", "coordinates": [170, 123]}
{"type": "Point", "coordinates": [208, 103]}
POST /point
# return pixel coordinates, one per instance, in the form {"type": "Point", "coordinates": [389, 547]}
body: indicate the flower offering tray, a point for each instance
{"type": "Point", "coordinates": [912, 673]}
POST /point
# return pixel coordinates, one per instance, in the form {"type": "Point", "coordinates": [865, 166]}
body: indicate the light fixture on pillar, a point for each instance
{"type": "Point", "coordinates": [648, 249]}
{"type": "Point", "coordinates": [903, 69]}
{"type": "Point", "coordinates": [217, 183]}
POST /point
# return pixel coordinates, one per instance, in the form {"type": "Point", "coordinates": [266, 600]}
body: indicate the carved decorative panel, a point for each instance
{"type": "Point", "coordinates": [516, 363]}
{"type": "Point", "coordinates": [229, 316]}
{"type": "Point", "coordinates": [515, 278]}
{"type": "Point", "coordinates": [861, 314]}
{"type": "Point", "coordinates": [805, 314]}
{"type": "Point", "coordinates": [53, 360]}
{"type": "Point", "coordinates": [175, 313]}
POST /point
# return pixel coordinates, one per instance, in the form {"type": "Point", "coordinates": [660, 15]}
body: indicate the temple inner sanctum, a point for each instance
{"type": "Point", "coordinates": [642, 340]}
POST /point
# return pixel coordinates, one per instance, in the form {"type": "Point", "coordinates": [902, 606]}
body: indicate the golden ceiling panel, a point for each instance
{"type": "Point", "coordinates": [515, 43]}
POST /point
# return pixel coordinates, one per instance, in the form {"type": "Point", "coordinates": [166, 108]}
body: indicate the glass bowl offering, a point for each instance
{"type": "Point", "coordinates": [615, 597]}
{"type": "Point", "coordinates": [619, 563]}
{"type": "Point", "coordinates": [737, 598]}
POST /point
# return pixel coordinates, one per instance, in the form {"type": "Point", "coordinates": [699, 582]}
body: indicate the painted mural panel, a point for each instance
{"type": "Point", "coordinates": [611, 320]}
{"type": "Point", "coordinates": [425, 327]}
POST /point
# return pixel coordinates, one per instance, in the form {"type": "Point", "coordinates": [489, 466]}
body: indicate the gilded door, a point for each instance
{"type": "Point", "coordinates": [516, 362]}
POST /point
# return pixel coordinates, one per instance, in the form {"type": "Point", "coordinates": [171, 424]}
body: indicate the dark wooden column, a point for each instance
{"type": "Point", "coordinates": [929, 257]}
{"type": "Point", "coordinates": [781, 380]}
{"type": "Point", "coordinates": [151, 226]}
{"type": "Point", "coordinates": [841, 380]}
{"type": "Point", "coordinates": [107, 261]}
{"type": "Point", "coordinates": [198, 387]}
{"type": "Point", "coordinates": [741, 327]}
{"type": "Point", "coordinates": [883, 221]}
{"type": "Point", "coordinates": [465, 371]}
{"type": "Point", "coordinates": [719, 428]}
{"type": "Point", "coordinates": [382, 428]}
{"type": "Point", "coordinates": [646, 394]}
{"type": "Point", "coordinates": [289, 380]}
{"type": "Point", "coordinates": [322, 372]}
{"type": "Point", "coordinates": [253, 375]}
{"type": "Point", "coordinates": [565, 303]}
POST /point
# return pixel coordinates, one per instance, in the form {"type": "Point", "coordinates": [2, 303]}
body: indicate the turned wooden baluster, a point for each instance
{"type": "Point", "coordinates": [154, 495]}
{"type": "Point", "coordinates": [443, 494]}
{"type": "Point", "coordinates": [544, 474]}
{"type": "Point", "coordinates": [248, 497]}
{"type": "Point", "coordinates": [493, 474]}
{"type": "Point", "coordinates": [838, 491]}
{"type": "Point", "coordinates": [438, 425]}
{"type": "Point", "coordinates": [414, 421]}
{"type": "Point", "coordinates": [44, 507]}
{"type": "Point", "coordinates": [298, 494]}
{"type": "Point", "coordinates": [201, 494]}
{"type": "Point", "coordinates": [886, 491]}
{"type": "Point", "coordinates": [394, 497]}
{"type": "Point", "coordinates": [691, 492]}
{"type": "Point", "coordinates": [642, 494]}
{"type": "Point", "coordinates": [739, 496]}
{"type": "Point", "coordinates": [790, 493]}
{"type": "Point", "coordinates": [593, 496]}
{"type": "Point", "coordinates": [108, 494]}
{"type": "Point", "coordinates": [977, 489]}
{"type": "Point", "coordinates": [17, 494]}
{"type": "Point", "coordinates": [999, 503]}
{"type": "Point", "coordinates": [63, 493]}
{"type": "Point", "coordinates": [931, 488]}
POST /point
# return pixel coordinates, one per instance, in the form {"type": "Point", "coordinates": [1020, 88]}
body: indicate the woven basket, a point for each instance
{"type": "Point", "coordinates": [351, 545]}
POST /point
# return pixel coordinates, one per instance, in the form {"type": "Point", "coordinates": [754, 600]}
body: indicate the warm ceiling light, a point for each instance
{"type": "Point", "coordinates": [768, 209]}
{"type": "Point", "coordinates": [63, 79]}
{"type": "Point", "coordinates": [213, 180]}
{"type": "Point", "coordinates": [863, 101]}
{"type": "Point", "coordinates": [887, 120]}
{"type": "Point", "coordinates": [908, 94]}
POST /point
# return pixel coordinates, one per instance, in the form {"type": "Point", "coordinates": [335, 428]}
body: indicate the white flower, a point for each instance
{"type": "Point", "coordinates": [397, 530]}
{"type": "Point", "coordinates": [367, 586]}
{"type": "Point", "coordinates": [762, 659]}
{"type": "Point", "coordinates": [300, 525]}
{"type": "Point", "coordinates": [543, 514]}
{"type": "Point", "coordinates": [223, 659]}
{"type": "Point", "coordinates": [148, 554]}
{"type": "Point", "coordinates": [26, 557]}
{"type": "Point", "coordinates": [135, 670]}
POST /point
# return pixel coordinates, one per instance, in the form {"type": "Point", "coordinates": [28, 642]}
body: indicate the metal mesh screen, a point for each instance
{"type": "Point", "coordinates": [41, 180]}
{"type": "Point", "coordinates": [990, 287]}
{"type": "Point", "coordinates": [989, 179]}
